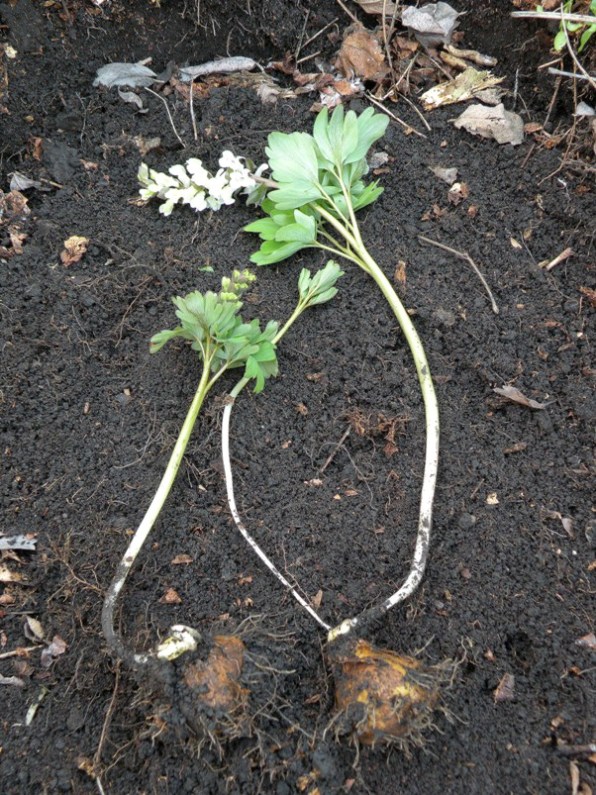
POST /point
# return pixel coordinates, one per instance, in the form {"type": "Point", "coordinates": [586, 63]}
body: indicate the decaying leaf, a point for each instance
{"type": "Point", "coordinates": [171, 597]}
{"type": "Point", "coordinates": [74, 249]}
{"type": "Point", "coordinates": [133, 75]}
{"type": "Point", "coordinates": [462, 88]}
{"type": "Point", "coordinates": [502, 125]}
{"type": "Point", "coordinates": [216, 682]}
{"type": "Point", "coordinates": [53, 650]}
{"type": "Point", "coordinates": [381, 696]}
{"type": "Point", "coordinates": [505, 690]}
{"type": "Point", "coordinates": [9, 576]}
{"type": "Point", "coordinates": [587, 641]}
{"type": "Point", "coordinates": [33, 629]}
{"type": "Point", "coordinates": [236, 63]}
{"type": "Point", "coordinates": [458, 192]}
{"type": "Point", "coordinates": [432, 23]}
{"type": "Point", "coordinates": [517, 396]}
{"type": "Point", "coordinates": [361, 55]}
{"type": "Point", "coordinates": [181, 560]}
{"type": "Point", "coordinates": [22, 542]}
{"type": "Point", "coordinates": [11, 680]}
{"type": "Point", "coordinates": [448, 175]}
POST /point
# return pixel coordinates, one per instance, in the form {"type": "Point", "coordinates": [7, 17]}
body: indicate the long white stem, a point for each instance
{"type": "Point", "coordinates": [225, 452]}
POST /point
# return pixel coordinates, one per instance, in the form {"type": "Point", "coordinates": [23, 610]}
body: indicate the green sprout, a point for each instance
{"type": "Point", "coordinates": [569, 26]}
{"type": "Point", "coordinates": [211, 322]}
{"type": "Point", "coordinates": [317, 187]}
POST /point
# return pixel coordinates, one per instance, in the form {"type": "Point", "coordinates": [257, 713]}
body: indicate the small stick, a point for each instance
{"type": "Point", "coordinates": [169, 115]}
{"type": "Point", "coordinates": [192, 110]}
{"type": "Point", "coordinates": [316, 35]}
{"type": "Point", "coordinates": [465, 256]}
{"type": "Point", "coordinates": [299, 45]}
{"type": "Point", "coordinates": [548, 266]}
{"type": "Point", "coordinates": [308, 57]}
{"type": "Point", "coordinates": [333, 453]}
{"type": "Point", "coordinates": [574, 75]}
{"type": "Point", "coordinates": [585, 19]}
{"type": "Point", "coordinates": [574, 57]}
{"type": "Point", "coordinates": [22, 651]}
{"type": "Point", "coordinates": [343, 6]}
{"type": "Point", "coordinates": [407, 127]}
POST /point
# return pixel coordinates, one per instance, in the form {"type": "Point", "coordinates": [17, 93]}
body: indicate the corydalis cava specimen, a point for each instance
{"type": "Point", "coordinates": [211, 322]}
{"type": "Point", "coordinates": [318, 189]}
{"type": "Point", "coordinates": [194, 185]}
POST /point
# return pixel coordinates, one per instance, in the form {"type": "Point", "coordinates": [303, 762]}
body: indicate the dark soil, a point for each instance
{"type": "Point", "coordinates": [89, 419]}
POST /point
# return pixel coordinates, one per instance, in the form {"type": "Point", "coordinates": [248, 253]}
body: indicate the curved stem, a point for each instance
{"type": "Point", "coordinates": [225, 451]}
{"type": "Point", "coordinates": [114, 640]}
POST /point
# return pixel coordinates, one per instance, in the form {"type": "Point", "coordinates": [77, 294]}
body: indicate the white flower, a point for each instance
{"type": "Point", "coordinates": [229, 160]}
{"type": "Point", "coordinates": [199, 174]}
{"type": "Point", "coordinates": [220, 189]}
{"type": "Point", "coordinates": [166, 208]}
{"type": "Point", "coordinates": [181, 173]}
{"type": "Point", "coordinates": [198, 201]}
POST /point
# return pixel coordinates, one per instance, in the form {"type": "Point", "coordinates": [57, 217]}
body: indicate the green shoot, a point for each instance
{"type": "Point", "coordinates": [212, 324]}
{"type": "Point", "coordinates": [319, 187]}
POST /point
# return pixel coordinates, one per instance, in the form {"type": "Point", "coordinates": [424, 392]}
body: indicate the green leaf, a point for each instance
{"type": "Point", "coordinates": [321, 136]}
{"type": "Point", "coordinates": [586, 36]}
{"type": "Point", "coordinates": [159, 340]}
{"type": "Point", "coordinates": [303, 231]}
{"type": "Point", "coordinates": [295, 195]}
{"type": "Point", "coordinates": [350, 137]}
{"type": "Point", "coordinates": [371, 127]}
{"type": "Point", "coordinates": [266, 228]}
{"type": "Point", "coordinates": [369, 195]}
{"type": "Point", "coordinates": [292, 157]}
{"type": "Point", "coordinates": [560, 41]}
{"type": "Point", "coordinates": [319, 288]}
{"type": "Point", "coordinates": [272, 251]}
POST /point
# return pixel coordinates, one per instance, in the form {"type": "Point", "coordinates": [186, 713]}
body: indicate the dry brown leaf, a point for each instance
{"type": "Point", "coordinates": [590, 294]}
{"type": "Point", "coordinates": [517, 396]}
{"type": "Point", "coordinates": [502, 125]}
{"type": "Point", "coordinates": [171, 597]}
{"type": "Point", "coordinates": [399, 275]}
{"type": "Point", "coordinates": [54, 649]}
{"type": "Point", "coordinates": [181, 559]}
{"type": "Point", "coordinates": [504, 691]}
{"type": "Point", "coordinates": [458, 192]}
{"type": "Point", "coordinates": [9, 576]}
{"type": "Point", "coordinates": [74, 249]}
{"type": "Point", "coordinates": [317, 599]}
{"type": "Point", "coordinates": [361, 55]}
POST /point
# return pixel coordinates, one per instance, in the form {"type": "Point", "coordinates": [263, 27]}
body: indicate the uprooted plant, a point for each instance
{"type": "Point", "coordinates": [212, 323]}
{"type": "Point", "coordinates": [316, 189]}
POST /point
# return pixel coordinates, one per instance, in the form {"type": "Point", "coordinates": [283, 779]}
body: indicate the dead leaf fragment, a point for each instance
{"type": "Point", "coordinates": [9, 576]}
{"type": "Point", "coordinates": [181, 560]}
{"type": "Point", "coordinates": [171, 597]}
{"type": "Point", "coordinates": [504, 691]}
{"type": "Point", "coordinates": [432, 23]}
{"type": "Point", "coordinates": [361, 55]}
{"type": "Point", "coordinates": [448, 175]}
{"type": "Point", "coordinates": [462, 88]}
{"type": "Point", "coordinates": [33, 629]}
{"type": "Point", "coordinates": [458, 192]}
{"type": "Point", "coordinates": [497, 123]}
{"type": "Point", "coordinates": [74, 249]}
{"type": "Point", "coordinates": [517, 396]}
{"type": "Point", "coordinates": [587, 641]}
{"type": "Point", "coordinates": [53, 650]}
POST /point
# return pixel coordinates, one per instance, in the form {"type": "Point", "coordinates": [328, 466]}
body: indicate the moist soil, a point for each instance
{"type": "Point", "coordinates": [328, 459]}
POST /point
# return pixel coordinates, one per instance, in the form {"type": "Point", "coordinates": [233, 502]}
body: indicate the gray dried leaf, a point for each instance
{"type": "Point", "coordinates": [505, 690]}
{"type": "Point", "coordinates": [432, 24]}
{"type": "Point", "coordinates": [52, 650]}
{"type": "Point", "coordinates": [18, 542]}
{"type": "Point", "coordinates": [383, 7]}
{"type": "Point", "coordinates": [448, 175]}
{"type": "Point", "coordinates": [19, 181]}
{"type": "Point", "coordinates": [502, 125]}
{"type": "Point", "coordinates": [133, 75]}
{"type": "Point", "coordinates": [517, 396]}
{"type": "Point", "coordinates": [11, 680]}
{"type": "Point", "coordinates": [132, 99]}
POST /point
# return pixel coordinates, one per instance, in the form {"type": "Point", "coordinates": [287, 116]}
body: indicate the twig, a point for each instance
{"type": "Point", "coordinates": [406, 126]}
{"type": "Point", "coordinates": [465, 256]}
{"type": "Point", "coordinates": [548, 266]}
{"type": "Point", "coordinates": [584, 19]}
{"type": "Point", "coordinates": [169, 115]}
{"type": "Point", "coordinates": [22, 651]}
{"type": "Point", "coordinates": [333, 453]}
{"type": "Point", "coordinates": [319, 33]}
{"type": "Point", "coordinates": [576, 750]}
{"type": "Point", "coordinates": [344, 8]}
{"type": "Point", "coordinates": [574, 75]}
{"type": "Point", "coordinates": [302, 32]}
{"type": "Point", "coordinates": [192, 110]}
